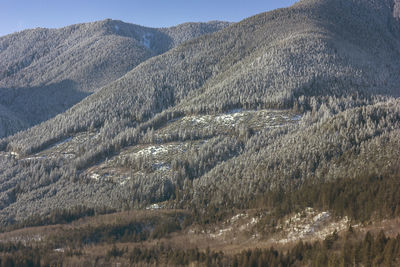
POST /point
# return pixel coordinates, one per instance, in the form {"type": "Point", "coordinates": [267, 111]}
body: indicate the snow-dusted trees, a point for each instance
{"type": "Point", "coordinates": [334, 61]}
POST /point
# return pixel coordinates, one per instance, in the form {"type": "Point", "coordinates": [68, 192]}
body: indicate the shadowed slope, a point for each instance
{"type": "Point", "coordinates": [88, 56]}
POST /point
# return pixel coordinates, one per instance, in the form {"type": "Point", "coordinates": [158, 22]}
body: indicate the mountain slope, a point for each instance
{"type": "Point", "coordinates": [269, 60]}
{"type": "Point", "coordinates": [90, 51]}
{"type": "Point", "coordinates": [354, 144]}
{"type": "Point", "coordinates": [213, 121]}
{"type": "Point", "coordinates": [9, 122]}
{"type": "Point", "coordinates": [62, 66]}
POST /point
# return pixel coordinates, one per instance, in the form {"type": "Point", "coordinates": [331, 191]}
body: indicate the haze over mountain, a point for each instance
{"type": "Point", "coordinates": [45, 71]}
{"type": "Point", "coordinates": [246, 117]}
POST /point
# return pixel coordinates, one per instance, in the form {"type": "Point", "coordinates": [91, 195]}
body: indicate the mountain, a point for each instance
{"type": "Point", "coordinates": [281, 130]}
{"type": "Point", "coordinates": [282, 114]}
{"type": "Point", "coordinates": [278, 59]}
{"type": "Point", "coordinates": [44, 72]}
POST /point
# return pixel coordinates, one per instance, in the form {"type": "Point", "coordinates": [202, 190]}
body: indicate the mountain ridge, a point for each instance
{"type": "Point", "coordinates": [81, 58]}
{"type": "Point", "coordinates": [356, 70]}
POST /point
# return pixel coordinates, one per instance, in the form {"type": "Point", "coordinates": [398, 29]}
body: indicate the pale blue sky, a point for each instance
{"type": "Point", "coordinates": [16, 15]}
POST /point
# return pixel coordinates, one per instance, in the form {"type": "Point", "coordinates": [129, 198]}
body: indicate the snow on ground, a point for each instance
{"type": "Point", "coordinates": [116, 27]}
{"type": "Point", "coordinates": [309, 225]}
{"type": "Point", "coordinates": [221, 232]}
{"type": "Point", "coordinates": [162, 154]}
{"type": "Point", "coordinates": [237, 217]}
{"type": "Point", "coordinates": [119, 178]}
{"type": "Point", "coordinates": [24, 239]}
{"type": "Point", "coordinates": [229, 118]}
{"type": "Point", "coordinates": [68, 147]}
{"type": "Point", "coordinates": [252, 222]}
{"type": "Point", "coordinates": [261, 118]}
{"type": "Point", "coordinates": [95, 176]}
{"type": "Point", "coordinates": [158, 150]}
{"type": "Point", "coordinates": [13, 155]}
{"type": "Point", "coordinates": [111, 170]}
{"type": "Point", "coordinates": [153, 207]}
{"type": "Point", "coordinates": [34, 158]}
{"type": "Point", "coordinates": [241, 222]}
{"type": "Point", "coordinates": [154, 150]}
{"type": "Point", "coordinates": [68, 155]}
{"type": "Point", "coordinates": [197, 119]}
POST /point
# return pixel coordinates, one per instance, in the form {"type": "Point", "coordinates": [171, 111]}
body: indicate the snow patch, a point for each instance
{"type": "Point", "coordinates": [321, 216]}
{"type": "Point", "coordinates": [95, 176]}
{"type": "Point", "coordinates": [229, 118]}
{"type": "Point", "coordinates": [252, 222]}
{"type": "Point", "coordinates": [116, 27]}
{"type": "Point", "coordinates": [241, 222]}
{"type": "Point", "coordinates": [310, 225]}
{"type": "Point", "coordinates": [153, 207]}
{"type": "Point", "coordinates": [146, 39]}
{"type": "Point", "coordinates": [237, 217]}
{"type": "Point", "coordinates": [197, 119]}
{"type": "Point", "coordinates": [221, 232]}
{"type": "Point", "coordinates": [272, 118]}
{"type": "Point", "coordinates": [154, 150]}
{"type": "Point", "coordinates": [68, 155]}
{"type": "Point", "coordinates": [14, 154]}
{"type": "Point", "coordinates": [34, 158]}
{"type": "Point", "coordinates": [24, 239]}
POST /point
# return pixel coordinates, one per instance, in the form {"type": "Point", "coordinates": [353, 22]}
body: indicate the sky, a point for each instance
{"type": "Point", "coordinates": [17, 15]}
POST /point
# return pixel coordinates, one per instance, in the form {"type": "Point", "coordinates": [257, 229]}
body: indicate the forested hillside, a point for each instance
{"type": "Point", "coordinates": [334, 62]}
{"type": "Point", "coordinates": [43, 72]}
{"type": "Point", "coordinates": [286, 114]}
{"type": "Point", "coordinates": [273, 60]}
